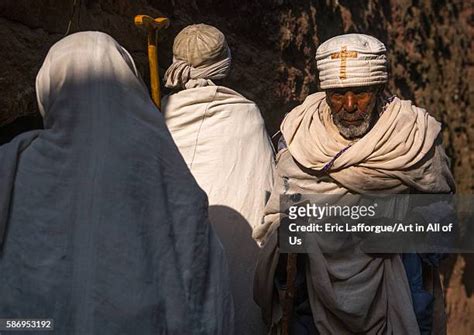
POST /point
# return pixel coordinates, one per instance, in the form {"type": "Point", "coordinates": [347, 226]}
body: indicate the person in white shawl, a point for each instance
{"type": "Point", "coordinates": [102, 226]}
{"type": "Point", "coordinates": [352, 139]}
{"type": "Point", "coordinates": [222, 137]}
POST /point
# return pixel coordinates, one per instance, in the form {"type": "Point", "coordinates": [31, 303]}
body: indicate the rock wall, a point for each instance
{"type": "Point", "coordinates": [273, 43]}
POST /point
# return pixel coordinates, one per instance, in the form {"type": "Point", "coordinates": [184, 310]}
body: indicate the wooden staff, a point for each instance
{"type": "Point", "coordinates": [291, 271]}
{"type": "Point", "coordinates": [153, 26]}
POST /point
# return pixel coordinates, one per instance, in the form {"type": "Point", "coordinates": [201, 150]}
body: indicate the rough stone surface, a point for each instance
{"type": "Point", "coordinates": [273, 43]}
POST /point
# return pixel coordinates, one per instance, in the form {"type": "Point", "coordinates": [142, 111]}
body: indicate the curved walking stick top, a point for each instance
{"type": "Point", "coordinates": [153, 26]}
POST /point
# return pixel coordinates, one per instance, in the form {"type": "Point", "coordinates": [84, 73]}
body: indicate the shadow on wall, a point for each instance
{"type": "Point", "coordinates": [469, 274]}
{"type": "Point", "coordinates": [448, 268]}
{"type": "Point", "coordinates": [21, 125]}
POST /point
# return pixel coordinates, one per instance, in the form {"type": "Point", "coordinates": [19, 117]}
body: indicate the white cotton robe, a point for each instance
{"type": "Point", "coordinates": [356, 293]}
{"type": "Point", "coordinates": [105, 230]}
{"type": "Point", "coordinates": [222, 138]}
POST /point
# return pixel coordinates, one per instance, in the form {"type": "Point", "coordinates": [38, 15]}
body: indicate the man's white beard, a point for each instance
{"type": "Point", "coordinates": [356, 131]}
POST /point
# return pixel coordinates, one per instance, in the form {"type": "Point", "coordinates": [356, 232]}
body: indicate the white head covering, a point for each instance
{"type": "Point", "coordinates": [82, 203]}
{"type": "Point", "coordinates": [351, 60]}
{"type": "Point", "coordinates": [200, 53]}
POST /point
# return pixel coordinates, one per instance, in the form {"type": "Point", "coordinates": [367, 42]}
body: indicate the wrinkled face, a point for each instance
{"type": "Point", "coordinates": [353, 109]}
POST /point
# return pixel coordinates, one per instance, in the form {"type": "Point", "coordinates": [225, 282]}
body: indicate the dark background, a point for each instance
{"type": "Point", "coordinates": [273, 42]}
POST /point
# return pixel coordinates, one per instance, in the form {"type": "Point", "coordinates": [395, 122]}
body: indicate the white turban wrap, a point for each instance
{"type": "Point", "coordinates": [200, 54]}
{"type": "Point", "coordinates": [351, 60]}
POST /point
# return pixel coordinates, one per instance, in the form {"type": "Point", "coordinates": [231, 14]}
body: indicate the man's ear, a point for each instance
{"type": "Point", "coordinates": [328, 101]}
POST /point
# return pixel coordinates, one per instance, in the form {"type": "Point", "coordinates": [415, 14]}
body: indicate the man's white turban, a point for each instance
{"type": "Point", "coordinates": [351, 60]}
{"type": "Point", "coordinates": [200, 54]}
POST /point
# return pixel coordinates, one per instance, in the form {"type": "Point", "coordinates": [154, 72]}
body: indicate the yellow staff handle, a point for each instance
{"type": "Point", "coordinates": [153, 26]}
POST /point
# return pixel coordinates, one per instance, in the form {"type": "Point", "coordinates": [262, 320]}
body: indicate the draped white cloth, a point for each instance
{"type": "Point", "coordinates": [399, 153]}
{"type": "Point", "coordinates": [182, 75]}
{"type": "Point", "coordinates": [222, 138]}
{"type": "Point", "coordinates": [107, 230]}
{"type": "Point", "coordinates": [355, 292]}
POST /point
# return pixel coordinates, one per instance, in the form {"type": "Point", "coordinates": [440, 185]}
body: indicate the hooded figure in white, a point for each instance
{"type": "Point", "coordinates": [222, 138]}
{"type": "Point", "coordinates": [103, 228]}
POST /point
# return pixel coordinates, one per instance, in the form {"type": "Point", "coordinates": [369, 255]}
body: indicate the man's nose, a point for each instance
{"type": "Point", "coordinates": [350, 102]}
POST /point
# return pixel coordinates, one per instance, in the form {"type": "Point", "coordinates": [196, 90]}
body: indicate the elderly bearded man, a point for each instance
{"type": "Point", "coordinates": [353, 139]}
